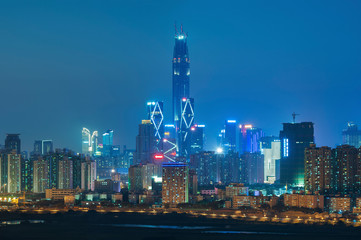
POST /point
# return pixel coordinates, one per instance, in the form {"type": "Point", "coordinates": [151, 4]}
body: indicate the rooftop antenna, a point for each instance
{"type": "Point", "coordinates": [294, 116]}
{"type": "Point", "coordinates": [175, 27]}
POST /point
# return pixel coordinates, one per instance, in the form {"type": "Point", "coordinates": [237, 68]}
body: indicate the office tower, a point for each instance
{"type": "Point", "coordinates": [12, 142]}
{"type": "Point", "coordinates": [127, 157]}
{"type": "Point", "coordinates": [181, 74]}
{"type": "Point", "coordinates": [252, 168]}
{"type": "Point", "coordinates": [155, 115]}
{"type": "Point", "coordinates": [196, 138]}
{"type": "Point", "coordinates": [206, 167]}
{"type": "Point", "coordinates": [249, 138]}
{"type": "Point", "coordinates": [88, 175]}
{"type": "Point", "coordinates": [3, 171]}
{"type": "Point", "coordinates": [351, 136]}
{"type": "Point", "coordinates": [89, 142]}
{"type": "Point", "coordinates": [41, 175]}
{"type": "Point", "coordinates": [107, 142]}
{"type": "Point", "coordinates": [43, 147]}
{"type": "Point", "coordinates": [135, 179]}
{"type": "Point", "coordinates": [295, 138]}
{"type": "Point", "coordinates": [145, 143]}
{"type": "Point", "coordinates": [346, 165]}
{"type": "Point", "coordinates": [175, 183]}
{"type": "Point", "coordinates": [77, 160]}
{"type": "Point", "coordinates": [169, 142]}
{"type": "Point", "coordinates": [186, 122]}
{"type": "Point", "coordinates": [193, 182]}
{"type": "Point", "coordinates": [26, 174]}
{"type": "Point", "coordinates": [319, 170]}
{"type": "Point", "coordinates": [230, 139]}
{"type": "Point", "coordinates": [65, 173]}
{"type": "Point", "coordinates": [14, 172]}
{"type": "Point", "coordinates": [271, 151]}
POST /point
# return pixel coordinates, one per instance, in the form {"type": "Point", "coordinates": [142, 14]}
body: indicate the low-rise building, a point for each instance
{"type": "Point", "coordinates": [58, 194]}
{"type": "Point", "coordinates": [339, 204]}
{"type": "Point", "coordinates": [236, 189]}
{"type": "Point", "coordinates": [304, 201]}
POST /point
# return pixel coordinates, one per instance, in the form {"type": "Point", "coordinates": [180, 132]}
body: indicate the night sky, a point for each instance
{"type": "Point", "coordinates": [65, 65]}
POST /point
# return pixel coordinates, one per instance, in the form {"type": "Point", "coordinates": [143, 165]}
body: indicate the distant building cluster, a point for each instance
{"type": "Point", "coordinates": [170, 165]}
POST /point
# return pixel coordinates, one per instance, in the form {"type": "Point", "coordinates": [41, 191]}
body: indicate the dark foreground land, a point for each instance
{"type": "Point", "coordinates": [134, 226]}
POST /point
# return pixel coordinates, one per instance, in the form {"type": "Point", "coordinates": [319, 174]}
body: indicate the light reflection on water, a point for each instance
{"type": "Point", "coordinates": [16, 222]}
{"type": "Point", "coordinates": [158, 226]}
{"type": "Point", "coordinates": [247, 232]}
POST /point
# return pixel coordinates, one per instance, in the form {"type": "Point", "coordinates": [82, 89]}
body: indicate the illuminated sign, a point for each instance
{"type": "Point", "coordinates": [285, 147]}
{"type": "Point", "coordinates": [158, 156]}
{"type": "Point", "coordinates": [231, 121]}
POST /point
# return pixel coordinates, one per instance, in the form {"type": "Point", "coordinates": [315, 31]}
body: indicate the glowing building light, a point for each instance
{"type": "Point", "coordinates": [231, 121]}
{"type": "Point", "coordinates": [158, 156]}
{"type": "Point", "coordinates": [193, 128]}
{"type": "Point", "coordinates": [248, 126]}
{"type": "Point", "coordinates": [184, 99]}
{"type": "Point", "coordinates": [219, 150]}
{"type": "Point", "coordinates": [240, 125]}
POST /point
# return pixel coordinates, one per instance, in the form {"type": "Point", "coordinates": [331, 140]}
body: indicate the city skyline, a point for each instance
{"type": "Point", "coordinates": [295, 86]}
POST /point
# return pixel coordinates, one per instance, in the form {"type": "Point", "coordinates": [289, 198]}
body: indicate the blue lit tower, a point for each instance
{"type": "Point", "coordinates": [155, 115]}
{"type": "Point", "coordinates": [181, 73]}
{"type": "Point", "coordinates": [230, 133]}
{"type": "Point", "coordinates": [187, 121]}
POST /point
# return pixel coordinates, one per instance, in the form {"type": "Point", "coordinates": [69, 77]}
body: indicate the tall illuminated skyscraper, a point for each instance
{"type": "Point", "coordinates": [183, 106]}
{"type": "Point", "coordinates": [89, 142]}
{"type": "Point", "coordinates": [230, 131]}
{"type": "Point", "coordinates": [249, 138]}
{"type": "Point", "coordinates": [145, 143]}
{"type": "Point", "coordinates": [107, 142]}
{"type": "Point", "coordinates": [155, 115]}
{"type": "Point", "coordinates": [271, 150]}
{"type": "Point", "coordinates": [43, 147]}
{"type": "Point", "coordinates": [175, 183]}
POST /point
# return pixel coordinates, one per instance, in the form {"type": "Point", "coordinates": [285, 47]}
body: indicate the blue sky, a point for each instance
{"type": "Point", "coordinates": [65, 65]}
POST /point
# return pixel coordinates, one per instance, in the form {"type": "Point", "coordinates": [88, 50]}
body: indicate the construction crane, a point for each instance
{"type": "Point", "coordinates": [294, 116]}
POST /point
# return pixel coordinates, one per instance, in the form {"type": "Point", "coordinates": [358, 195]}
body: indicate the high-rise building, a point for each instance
{"type": "Point", "coordinates": [271, 151]}
{"type": "Point", "coordinates": [88, 175]}
{"type": "Point", "coordinates": [12, 142]}
{"type": "Point", "coordinates": [145, 143]}
{"type": "Point", "coordinates": [41, 175]}
{"type": "Point", "coordinates": [169, 142]}
{"type": "Point", "coordinates": [346, 169]}
{"type": "Point", "coordinates": [252, 168]}
{"type": "Point", "coordinates": [135, 178]}
{"type": "Point", "coordinates": [155, 115]}
{"type": "Point", "coordinates": [351, 136]}
{"type": "Point", "coordinates": [295, 138]}
{"type": "Point", "coordinates": [230, 133]}
{"type": "Point", "coordinates": [186, 122]}
{"type": "Point", "coordinates": [43, 147]}
{"type": "Point", "coordinates": [65, 173]}
{"type": "Point", "coordinates": [26, 174]}
{"type": "Point", "coordinates": [196, 138]}
{"type": "Point", "coordinates": [150, 171]}
{"type": "Point", "coordinates": [89, 142]}
{"type": "Point", "coordinates": [206, 166]}
{"type": "Point", "coordinates": [181, 74]}
{"type": "Point", "coordinates": [229, 165]}
{"type": "Point", "coordinates": [14, 172]}
{"type": "Point", "coordinates": [249, 138]}
{"type": "Point", "coordinates": [107, 142]}
{"type": "Point", "coordinates": [175, 183]}
{"type": "Point", "coordinates": [319, 170]}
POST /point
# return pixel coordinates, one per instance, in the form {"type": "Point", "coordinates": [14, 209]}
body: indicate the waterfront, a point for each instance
{"type": "Point", "coordinates": [140, 225]}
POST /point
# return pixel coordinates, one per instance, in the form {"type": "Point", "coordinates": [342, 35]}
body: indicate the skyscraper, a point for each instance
{"type": "Point", "coordinates": [43, 147]}
{"type": "Point", "coordinates": [12, 142]}
{"type": "Point", "coordinates": [230, 133]}
{"type": "Point", "coordinates": [351, 136]}
{"type": "Point", "coordinates": [183, 106]}
{"type": "Point", "coordinates": [14, 172]}
{"type": "Point", "coordinates": [295, 138]}
{"type": "Point", "coordinates": [186, 122]}
{"type": "Point", "coordinates": [107, 142]}
{"type": "Point", "coordinates": [145, 143]}
{"type": "Point", "coordinates": [155, 115]}
{"type": "Point", "coordinates": [181, 72]}
{"type": "Point", "coordinates": [196, 138]}
{"type": "Point", "coordinates": [249, 138]}
{"type": "Point", "coordinates": [89, 142]}
{"type": "Point", "coordinates": [271, 150]}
